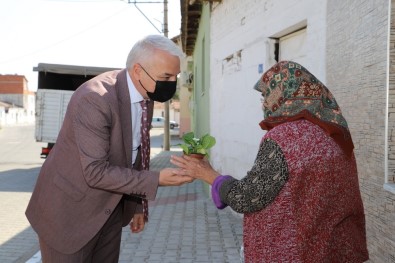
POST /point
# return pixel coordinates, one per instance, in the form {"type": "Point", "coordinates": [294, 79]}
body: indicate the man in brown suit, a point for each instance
{"type": "Point", "coordinates": [91, 184]}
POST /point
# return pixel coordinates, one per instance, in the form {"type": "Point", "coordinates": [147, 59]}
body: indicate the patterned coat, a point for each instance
{"type": "Point", "coordinates": [318, 215]}
{"type": "Point", "coordinates": [301, 199]}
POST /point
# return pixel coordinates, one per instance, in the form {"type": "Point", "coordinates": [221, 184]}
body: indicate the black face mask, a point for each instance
{"type": "Point", "coordinates": [164, 90]}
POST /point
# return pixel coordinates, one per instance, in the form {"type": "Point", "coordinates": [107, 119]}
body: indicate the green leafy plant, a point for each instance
{"type": "Point", "coordinates": [194, 145]}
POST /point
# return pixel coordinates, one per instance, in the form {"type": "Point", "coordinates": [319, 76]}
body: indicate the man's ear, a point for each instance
{"type": "Point", "coordinates": [136, 71]}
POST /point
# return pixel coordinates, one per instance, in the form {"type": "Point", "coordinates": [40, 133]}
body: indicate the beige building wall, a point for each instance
{"type": "Point", "coordinates": [357, 63]}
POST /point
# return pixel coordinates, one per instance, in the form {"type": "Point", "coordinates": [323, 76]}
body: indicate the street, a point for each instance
{"type": "Point", "coordinates": [20, 163]}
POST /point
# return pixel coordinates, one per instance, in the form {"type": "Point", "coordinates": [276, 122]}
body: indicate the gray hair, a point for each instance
{"type": "Point", "coordinates": [145, 48]}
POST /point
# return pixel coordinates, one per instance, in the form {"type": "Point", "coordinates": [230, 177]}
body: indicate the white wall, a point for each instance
{"type": "Point", "coordinates": [23, 111]}
{"type": "Point", "coordinates": [15, 116]}
{"type": "Point", "coordinates": [240, 32]}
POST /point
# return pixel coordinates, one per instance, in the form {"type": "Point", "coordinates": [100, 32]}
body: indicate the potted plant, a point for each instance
{"type": "Point", "coordinates": [197, 147]}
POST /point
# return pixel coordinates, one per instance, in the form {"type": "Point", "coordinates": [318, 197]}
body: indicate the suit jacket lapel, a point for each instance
{"type": "Point", "coordinates": [125, 114]}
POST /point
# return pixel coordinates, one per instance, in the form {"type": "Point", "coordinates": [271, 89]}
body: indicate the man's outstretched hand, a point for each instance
{"type": "Point", "coordinates": [173, 177]}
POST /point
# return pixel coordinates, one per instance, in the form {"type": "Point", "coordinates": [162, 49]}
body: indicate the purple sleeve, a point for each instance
{"type": "Point", "coordinates": [215, 190]}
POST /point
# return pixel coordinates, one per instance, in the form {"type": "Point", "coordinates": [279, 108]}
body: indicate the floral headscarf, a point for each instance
{"type": "Point", "coordinates": [291, 92]}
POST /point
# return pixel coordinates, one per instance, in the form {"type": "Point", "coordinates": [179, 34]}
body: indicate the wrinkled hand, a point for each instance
{"type": "Point", "coordinates": [196, 168]}
{"type": "Point", "coordinates": [172, 177]}
{"type": "Point", "coordinates": [137, 224]}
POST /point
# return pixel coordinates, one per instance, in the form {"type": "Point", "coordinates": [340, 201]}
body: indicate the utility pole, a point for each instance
{"type": "Point", "coordinates": [166, 135]}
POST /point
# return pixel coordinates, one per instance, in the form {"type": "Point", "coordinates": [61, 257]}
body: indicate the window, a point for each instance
{"type": "Point", "coordinates": [291, 47]}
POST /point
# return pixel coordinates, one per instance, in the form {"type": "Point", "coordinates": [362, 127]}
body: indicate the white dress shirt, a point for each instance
{"type": "Point", "coordinates": [135, 98]}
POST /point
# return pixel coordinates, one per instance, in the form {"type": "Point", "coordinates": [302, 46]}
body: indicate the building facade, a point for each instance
{"type": "Point", "coordinates": [349, 45]}
{"type": "Point", "coordinates": [357, 69]}
{"type": "Point", "coordinates": [17, 102]}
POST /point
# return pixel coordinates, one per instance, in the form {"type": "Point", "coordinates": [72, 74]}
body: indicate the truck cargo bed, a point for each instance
{"type": "Point", "coordinates": [51, 106]}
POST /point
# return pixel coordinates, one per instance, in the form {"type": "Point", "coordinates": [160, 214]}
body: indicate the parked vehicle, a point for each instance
{"type": "Point", "coordinates": [56, 84]}
{"type": "Point", "coordinates": [159, 122]}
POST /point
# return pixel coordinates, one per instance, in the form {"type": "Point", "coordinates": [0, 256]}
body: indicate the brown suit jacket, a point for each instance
{"type": "Point", "coordinates": [89, 169]}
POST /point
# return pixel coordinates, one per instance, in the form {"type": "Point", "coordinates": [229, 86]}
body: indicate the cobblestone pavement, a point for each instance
{"type": "Point", "coordinates": [184, 226]}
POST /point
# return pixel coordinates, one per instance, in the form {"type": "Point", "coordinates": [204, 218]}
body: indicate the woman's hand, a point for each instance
{"type": "Point", "coordinates": [199, 169]}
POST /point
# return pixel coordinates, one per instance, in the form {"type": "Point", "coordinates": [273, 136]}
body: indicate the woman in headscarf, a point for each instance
{"type": "Point", "coordinates": [301, 199]}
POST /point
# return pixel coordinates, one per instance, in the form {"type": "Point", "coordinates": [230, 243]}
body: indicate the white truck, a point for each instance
{"type": "Point", "coordinates": [56, 84]}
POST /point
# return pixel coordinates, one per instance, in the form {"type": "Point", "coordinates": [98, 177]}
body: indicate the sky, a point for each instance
{"type": "Point", "coordinates": [76, 32]}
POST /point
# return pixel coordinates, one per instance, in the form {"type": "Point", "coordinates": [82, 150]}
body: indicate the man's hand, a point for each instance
{"type": "Point", "coordinates": [172, 177]}
{"type": "Point", "coordinates": [137, 223]}
{"type": "Point", "coordinates": [198, 169]}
